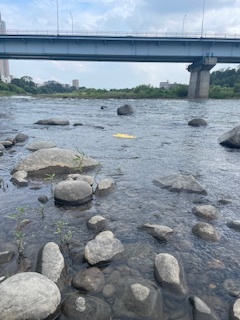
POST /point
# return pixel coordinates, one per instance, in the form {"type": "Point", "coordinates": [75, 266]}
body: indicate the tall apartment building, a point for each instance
{"type": "Point", "coordinates": [4, 64]}
{"type": "Point", "coordinates": [75, 83]}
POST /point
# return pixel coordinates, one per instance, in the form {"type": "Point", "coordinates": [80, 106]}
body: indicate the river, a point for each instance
{"type": "Point", "coordinates": [164, 144]}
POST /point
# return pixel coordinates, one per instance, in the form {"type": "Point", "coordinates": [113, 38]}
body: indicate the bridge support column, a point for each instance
{"type": "Point", "coordinates": [200, 78]}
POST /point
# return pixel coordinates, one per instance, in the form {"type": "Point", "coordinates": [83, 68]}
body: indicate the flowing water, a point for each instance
{"type": "Point", "coordinates": [164, 144]}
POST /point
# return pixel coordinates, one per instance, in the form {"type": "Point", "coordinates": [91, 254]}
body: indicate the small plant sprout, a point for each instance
{"type": "Point", "coordinates": [79, 161]}
{"type": "Point", "coordinates": [50, 177]}
{"type": "Point", "coordinates": [21, 221]}
{"type": "Point", "coordinates": [65, 234]}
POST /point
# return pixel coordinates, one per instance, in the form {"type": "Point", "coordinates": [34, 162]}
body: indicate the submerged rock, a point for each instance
{"type": "Point", "coordinates": [197, 122]}
{"type": "Point", "coordinates": [137, 298]}
{"type": "Point", "coordinates": [105, 187]}
{"type": "Point", "coordinates": [201, 311]}
{"type": "Point", "coordinates": [89, 280]}
{"type": "Point", "coordinates": [55, 160]}
{"type": "Point", "coordinates": [179, 182]}
{"type": "Point", "coordinates": [84, 307]}
{"type": "Point", "coordinates": [160, 232]}
{"type": "Point", "coordinates": [54, 121]}
{"type": "Point", "coordinates": [21, 137]}
{"type": "Point", "coordinates": [206, 231]}
{"type": "Point", "coordinates": [40, 145]}
{"type": "Point", "coordinates": [97, 223]}
{"type": "Point", "coordinates": [208, 212]}
{"type": "Point", "coordinates": [19, 178]}
{"type": "Point", "coordinates": [234, 224]}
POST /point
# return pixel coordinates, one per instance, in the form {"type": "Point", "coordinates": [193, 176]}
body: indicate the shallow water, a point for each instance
{"type": "Point", "coordinates": [164, 144]}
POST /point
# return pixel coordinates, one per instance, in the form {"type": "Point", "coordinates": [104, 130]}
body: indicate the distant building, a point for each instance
{"type": "Point", "coordinates": [167, 85]}
{"type": "Point", "coordinates": [4, 64]}
{"type": "Point", "coordinates": [75, 83]}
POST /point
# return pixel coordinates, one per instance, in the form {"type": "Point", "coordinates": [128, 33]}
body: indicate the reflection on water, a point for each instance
{"type": "Point", "coordinates": [164, 144]}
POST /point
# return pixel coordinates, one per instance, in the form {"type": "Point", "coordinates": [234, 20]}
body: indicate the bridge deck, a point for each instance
{"type": "Point", "coordinates": [118, 48]}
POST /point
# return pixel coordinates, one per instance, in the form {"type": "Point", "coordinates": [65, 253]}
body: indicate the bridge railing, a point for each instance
{"type": "Point", "coordinates": [123, 34]}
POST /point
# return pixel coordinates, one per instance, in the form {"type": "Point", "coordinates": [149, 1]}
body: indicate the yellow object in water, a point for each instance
{"type": "Point", "coordinates": [124, 136]}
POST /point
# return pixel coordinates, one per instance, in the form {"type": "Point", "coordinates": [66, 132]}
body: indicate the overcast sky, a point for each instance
{"type": "Point", "coordinates": [133, 16]}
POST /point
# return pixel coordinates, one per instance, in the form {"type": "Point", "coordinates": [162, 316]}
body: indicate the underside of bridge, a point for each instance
{"type": "Point", "coordinates": [200, 78]}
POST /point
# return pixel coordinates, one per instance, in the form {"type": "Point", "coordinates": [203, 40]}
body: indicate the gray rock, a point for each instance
{"type": "Point", "coordinates": [43, 199]}
{"type": "Point", "coordinates": [21, 137]}
{"type": "Point", "coordinates": [54, 121]}
{"type": "Point", "coordinates": [51, 264]}
{"type": "Point", "coordinates": [72, 192]}
{"type": "Point", "coordinates": [103, 248]}
{"type": "Point", "coordinates": [19, 178]}
{"type": "Point", "coordinates": [235, 310]}
{"type": "Point", "coordinates": [197, 122]}
{"type": "Point", "coordinates": [206, 231]}
{"type": "Point", "coordinates": [201, 311]}
{"type": "Point", "coordinates": [125, 110]}
{"type": "Point", "coordinates": [231, 138]}
{"type": "Point", "coordinates": [85, 307]}
{"type": "Point", "coordinates": [137, 298]}
{"type": "Point", "coordinates": [55, 160]}
{"type": "Point", "coordinates": [105, 187]}
{"type": "Point", "coordinates": [29, 295]}
{"type": "Point", "coordinates": [40, 145]}
{"type": "Point", "coordinates": [234, 224]}
{"type": "Point", "coordinates": [179, 182]}
{"type": "Point", "coordinates": [169, 273]}
{"type": "Point", "coordinates": [158, 231]}
{"type": "Point", "coordinates": [208, 212]}
{"type": "Point", "coordinates": [89, 280]}
{"type": "Point", "coordinates": [6, 143]}
{"type": "Point", "coordinates": [2, 148]}
{"type": "Point", "coordinates": [97, 223]}
{"type": "Point", "coordinates": [6, 256]}
{"type": "Point", "coordinates": [108, 291]}
{"type": "Point", "coordinates": [233, 287]}
{"type": "Point", "coordinates": [81, 177]}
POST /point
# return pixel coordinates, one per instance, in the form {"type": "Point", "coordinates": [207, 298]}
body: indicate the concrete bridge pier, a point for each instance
{"type": "Point", "coordinates": [200, 78]}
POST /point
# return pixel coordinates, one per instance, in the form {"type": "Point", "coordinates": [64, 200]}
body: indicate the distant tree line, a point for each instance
{"type": "Point", "coordinates": [224, 83]}
{"type": "Point", "coordinates": [26, 86]}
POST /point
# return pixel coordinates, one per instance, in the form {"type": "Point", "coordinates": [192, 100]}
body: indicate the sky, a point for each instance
{"type": "Point", "coordinates": [128, 16]}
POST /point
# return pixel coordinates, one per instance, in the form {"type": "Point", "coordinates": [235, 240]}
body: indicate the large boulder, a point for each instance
{"type": "Point", "coordinates": [206, 231]}
{"type": "Point", "coordinates": [179, 182]}
{"type": "Point", "coordinates": [55, 160]}
{"type": "Point", "coordinates": [169, 273]}
{"type": "Point", "coordinates": [54, 121]}
{"type": "Point", "coordinates": [103, 248]}
{"type": "Point", "coordinates": [73, 192]}
{"type": "Point", "coordinates": [125, 110]}
{"type": "Point", "coordinates": [137, 299]}
{"type": "Point", "coordinates": [231, 138]}
{"type": "Point", "coordinates": [84, 307]}
{"type": "Point", "coordinates": [51, 264]}
{"type": "Point", "coordinates": [29, 295]}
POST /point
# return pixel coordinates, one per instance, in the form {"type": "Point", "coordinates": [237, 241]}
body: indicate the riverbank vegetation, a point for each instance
{"type": "Point", "coordinates": [224, 84]}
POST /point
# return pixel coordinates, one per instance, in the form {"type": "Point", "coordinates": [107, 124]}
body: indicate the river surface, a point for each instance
{"type": "Point", "coordinates": [164, 144]}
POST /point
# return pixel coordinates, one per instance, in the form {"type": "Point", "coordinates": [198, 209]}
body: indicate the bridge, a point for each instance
{"type": "Point", "coordinates": [201, 53]}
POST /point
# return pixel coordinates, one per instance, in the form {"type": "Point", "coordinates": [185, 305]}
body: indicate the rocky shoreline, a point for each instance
{"type": "Point", "coordinates": [101, 289]}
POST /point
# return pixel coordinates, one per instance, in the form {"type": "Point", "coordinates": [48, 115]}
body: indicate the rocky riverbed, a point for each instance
{"type": "Point", "coordinates": [137, 225]}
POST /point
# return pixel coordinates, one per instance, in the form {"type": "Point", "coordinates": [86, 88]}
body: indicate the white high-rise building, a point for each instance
{"type": "Point", "coordinates": [4, 64]}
